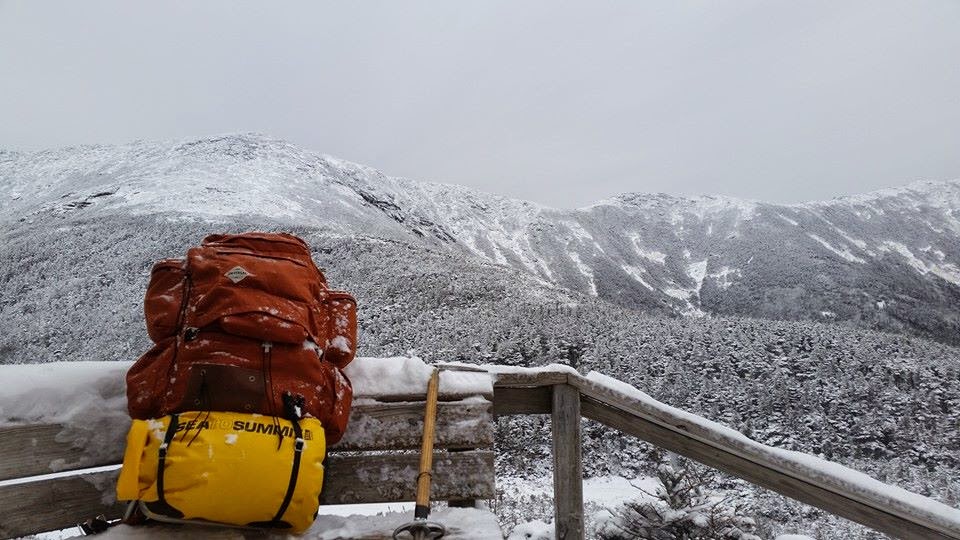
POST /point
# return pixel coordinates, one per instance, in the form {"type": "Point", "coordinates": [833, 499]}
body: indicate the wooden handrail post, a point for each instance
{"type": "Point", "coordinates": [567, 463]}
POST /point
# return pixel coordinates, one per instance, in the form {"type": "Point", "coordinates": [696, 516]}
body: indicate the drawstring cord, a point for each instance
{"type": "Point", "coordinates": [268, 383]}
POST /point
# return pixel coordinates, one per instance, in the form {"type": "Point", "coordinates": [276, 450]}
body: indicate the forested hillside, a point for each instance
{"type": "Point", "coordinates": [886, 260]}
{"type": "Point", "coordinates": [80, 232]}
{"type": "Point", "coordinates": [882, 402]}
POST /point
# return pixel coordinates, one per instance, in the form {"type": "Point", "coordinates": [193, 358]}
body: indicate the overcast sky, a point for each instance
{"type": "Point", "coordinates": [563, 103]}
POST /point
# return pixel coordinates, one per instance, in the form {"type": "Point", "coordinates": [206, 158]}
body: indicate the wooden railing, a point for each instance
{"type": "Point", "coordinates": [568, 397]}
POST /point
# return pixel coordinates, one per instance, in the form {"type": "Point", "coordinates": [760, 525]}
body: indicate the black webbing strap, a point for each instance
{"type": "Point", "coordinates": [294, 472]}
{"type": "Point", "coordinates": [162, 506]}
{"type": "Point", "coordinates": [167, 439]}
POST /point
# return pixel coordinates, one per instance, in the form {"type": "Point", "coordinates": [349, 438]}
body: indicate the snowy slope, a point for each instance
{"type": "Point", "coordinates": [243, 175]}
{"type": "Point", "coordinates": [890, 259]}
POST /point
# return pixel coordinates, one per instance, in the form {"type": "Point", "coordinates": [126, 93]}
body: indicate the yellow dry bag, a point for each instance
{"type": "Point", "coordinates": [221, 467]}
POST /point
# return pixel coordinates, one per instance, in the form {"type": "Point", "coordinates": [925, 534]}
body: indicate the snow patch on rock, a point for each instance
{"type": "Point", "coordinates": [788, 220]}
{"type": "Point", "coordinates": [697, 272]}
{"type": "Point", "coordinates": [586, 271]}
{"type": "Point", "coordinates": [651, 255]}
{"type": "Point", "coordinates": [948, 271]}
{"type": "Point", "coordinates": [843, 253]}
{"type": "Point", "coordinates": [636, 272]}
{"type": "Point", "coordinates": [724, 277]}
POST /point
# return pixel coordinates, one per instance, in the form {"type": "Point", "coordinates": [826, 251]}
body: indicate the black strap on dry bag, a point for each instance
{"type": "Point", "coordinates": [162, 506]}
{"type": "Point", "coordinates": [277, 521]}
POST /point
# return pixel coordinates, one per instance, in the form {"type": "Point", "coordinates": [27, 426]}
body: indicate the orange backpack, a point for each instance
{"type": "Point", "coordinates": [240, 322]}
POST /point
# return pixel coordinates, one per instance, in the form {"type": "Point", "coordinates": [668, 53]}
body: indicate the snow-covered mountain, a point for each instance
{"type": "Point", "coordinates": [889, 259]}
{"type": "Point", "coordinates": [450, 273]}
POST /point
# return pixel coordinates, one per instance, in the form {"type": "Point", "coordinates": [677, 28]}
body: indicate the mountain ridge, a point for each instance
{"type": "Point", "coordinates": [889, 259]}
{"type": "Point", "coordinates": [247, 141]}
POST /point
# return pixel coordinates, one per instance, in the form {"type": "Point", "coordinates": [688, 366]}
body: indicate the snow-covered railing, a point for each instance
{"type": "Point", "coordinates": [72, 416]}
{"type": "Point", "coordinates": [568, 396]}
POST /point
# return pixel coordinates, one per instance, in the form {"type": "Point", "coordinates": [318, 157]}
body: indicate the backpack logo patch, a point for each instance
{"type": "Point", "coordinates": [237, 273]}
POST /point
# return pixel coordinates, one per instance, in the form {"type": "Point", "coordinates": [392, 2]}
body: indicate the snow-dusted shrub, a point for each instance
{"type": "Point", "coordinates": [681, 509]}
{"type": "Point", "coordinates": [532, 530]}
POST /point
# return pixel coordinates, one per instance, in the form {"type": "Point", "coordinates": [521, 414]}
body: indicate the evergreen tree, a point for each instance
{"type": "Point", "coordinates": [681, 509]}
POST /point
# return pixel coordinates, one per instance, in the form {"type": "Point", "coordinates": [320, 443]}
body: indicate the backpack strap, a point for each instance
{"type": "Point", "coordinates": [161, 506]}
{"type": "Point", "coordinates": [294, 471]}
{"type": "Point", "coordinates": [277, 522]}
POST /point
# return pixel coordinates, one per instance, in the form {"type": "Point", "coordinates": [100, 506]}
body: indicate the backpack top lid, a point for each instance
{"type": "Point", "coordinates": [282, 245]}
{"type": "Point", "coordinates": [260, 241]}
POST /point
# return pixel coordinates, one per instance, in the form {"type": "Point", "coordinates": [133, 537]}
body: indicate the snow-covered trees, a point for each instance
{"type": "Point", "coordinates": [883, 403]}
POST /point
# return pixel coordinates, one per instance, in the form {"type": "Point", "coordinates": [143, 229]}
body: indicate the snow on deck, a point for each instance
{"type": "Point", "coordinates": [399, 376]}
{"type": "Point", "coordinates": [94, 393]}
{"type": "Point", "coordinates": [59, 392]}
{"type": "Point", "coordinates": [461, 523]}
{"type": "Point", "coordinates": [89, 398]}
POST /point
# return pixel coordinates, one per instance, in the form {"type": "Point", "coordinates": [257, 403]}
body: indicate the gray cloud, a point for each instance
{"type": "Point", "coordinates": [561, 103]}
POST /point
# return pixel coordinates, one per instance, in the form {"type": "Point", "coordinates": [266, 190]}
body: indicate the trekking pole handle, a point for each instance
{"type": "Point", "coordinates": [426, 450]}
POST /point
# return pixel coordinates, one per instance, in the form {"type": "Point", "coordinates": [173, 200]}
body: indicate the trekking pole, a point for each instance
{"type": "Point", "coordinates": [420, 528]}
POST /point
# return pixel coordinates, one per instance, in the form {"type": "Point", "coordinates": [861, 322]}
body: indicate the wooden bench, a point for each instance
{"type": "Point", "coordinates": [375, 462]}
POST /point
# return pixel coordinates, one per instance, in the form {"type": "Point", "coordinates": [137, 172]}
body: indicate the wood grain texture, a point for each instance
{"type": "Point", "coordinates": [380, 477]}
{"type": "Point", "coordinates": [567, 464]}
{"type": "Point", "coordinates": [675, 440]}
{"type": "Point", "coordinates": [529, 378]}
{"type": "Point", "coordinates": [532, 400]}
{"type": "Point", "coordinates": [39, 449]}
{"type": "Point", "coordinates": [56, 503]}
{"type": "Point", "coordinates": [43, 449]}
{"type": "Point", "coordinates": [391, 478]}
{"type": "Point", "coordinates": [399, 426]}
{"type": "Point", "coordinates": [49, 504]}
